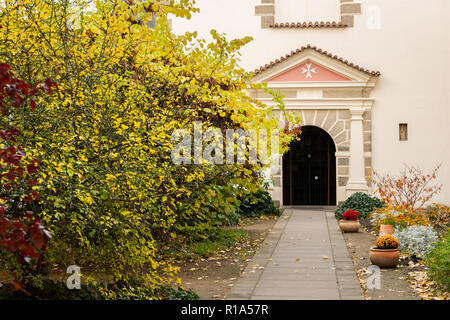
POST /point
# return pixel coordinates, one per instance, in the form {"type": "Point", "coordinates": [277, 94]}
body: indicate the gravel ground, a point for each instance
{"type": "Point", "coordinates": [394, 284]}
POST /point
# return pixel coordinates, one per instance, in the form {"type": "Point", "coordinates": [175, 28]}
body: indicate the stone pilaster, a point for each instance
{"type": "Point", "coordinates": [357, 181]}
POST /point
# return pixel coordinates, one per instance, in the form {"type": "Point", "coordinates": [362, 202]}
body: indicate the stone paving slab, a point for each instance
{"type": "Point", "coordinates": [304, 257]}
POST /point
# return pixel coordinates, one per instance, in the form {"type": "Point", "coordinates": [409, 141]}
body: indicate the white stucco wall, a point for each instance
{"type": "Point", "coordinates": [307, 10]}
{"type": "Point", "coordinates": [411, 50]}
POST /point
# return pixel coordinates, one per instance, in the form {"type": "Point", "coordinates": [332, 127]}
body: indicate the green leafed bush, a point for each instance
{"type": "Point", "coordinates": [438, 261]}
{"type": "Point", "coordinates": [360, 202]}
{"type": "Point", "coordinates": [57, 290]}
{"type": "Point", "coordinates": [49, 290]}
{"type": "Point", "coordinates": [258, 203]}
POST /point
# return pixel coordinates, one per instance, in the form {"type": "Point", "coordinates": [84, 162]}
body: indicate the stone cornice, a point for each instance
{"type": "Point", "coordinates": [323, 103]}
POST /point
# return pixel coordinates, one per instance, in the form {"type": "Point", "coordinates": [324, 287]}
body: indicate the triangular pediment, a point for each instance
{"type": "Point", "coordinates": [310, 64]}
{"type": "Point", "coordinates": [309, 71]}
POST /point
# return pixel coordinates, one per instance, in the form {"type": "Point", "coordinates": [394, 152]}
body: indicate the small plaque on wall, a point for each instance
{"type": "Point", "coordinates": [403, 131]}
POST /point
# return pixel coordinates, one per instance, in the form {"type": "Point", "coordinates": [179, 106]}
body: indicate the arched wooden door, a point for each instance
{"type": "Point", "coordinates": [309, 170]}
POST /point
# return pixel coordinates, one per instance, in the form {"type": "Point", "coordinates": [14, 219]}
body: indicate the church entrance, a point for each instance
{"type": "Point", "coordinates": [309, 170]}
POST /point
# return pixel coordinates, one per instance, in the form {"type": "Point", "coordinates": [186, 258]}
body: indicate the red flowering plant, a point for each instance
{"type": "Point", "coordinates": [351, 215]}
{"type": "Point", "coordinates": [22, 234]}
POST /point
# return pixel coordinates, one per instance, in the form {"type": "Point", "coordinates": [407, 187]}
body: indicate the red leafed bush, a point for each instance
{"type": "Point", "coordinates": [411, 189]}
{"type": "Point", "coordinates": [25, 237]}
{"type": "Point", "coordinates": [22, 234]}
{"type": "Point", "coordinates": [350, 215]}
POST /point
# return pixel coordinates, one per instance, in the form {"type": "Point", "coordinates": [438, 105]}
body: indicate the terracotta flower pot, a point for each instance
{"type": "Point", "coordinates": [386, 229]}
{"type": "Point", "coordinates": [349, 225]}
{"type": "Point", "coordinates": [384, 258]}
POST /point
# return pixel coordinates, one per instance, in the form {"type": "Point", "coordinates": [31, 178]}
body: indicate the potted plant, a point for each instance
{"type": "Point", "coordinates": [386, 253]}
{"type": "Point", "coordinates": [387, 226]}
{"type": "Point", "coordinates": [349, 222]}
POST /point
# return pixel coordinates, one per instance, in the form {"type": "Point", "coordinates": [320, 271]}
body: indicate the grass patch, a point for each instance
{"type": "Point", "coordinates": [205, 244]}
{"type": "Point", "coordinates": [219, 241]}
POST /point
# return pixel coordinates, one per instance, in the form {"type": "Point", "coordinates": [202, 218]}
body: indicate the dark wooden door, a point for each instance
{"type": "Point", "coordinates": [309, 169]}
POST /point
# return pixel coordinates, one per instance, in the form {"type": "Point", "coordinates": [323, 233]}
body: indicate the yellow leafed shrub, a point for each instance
{"type": "Point", "coordinates": [109, 187]}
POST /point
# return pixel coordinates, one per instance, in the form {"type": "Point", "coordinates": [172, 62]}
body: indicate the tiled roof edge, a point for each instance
{"type": "Point", "coordinates": [326, 53]}
{"type": "Point", "coordinates": [310, 24]}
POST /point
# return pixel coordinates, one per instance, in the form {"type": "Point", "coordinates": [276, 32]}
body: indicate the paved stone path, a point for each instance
{"type": "Point", "coordinates": [304, 257]}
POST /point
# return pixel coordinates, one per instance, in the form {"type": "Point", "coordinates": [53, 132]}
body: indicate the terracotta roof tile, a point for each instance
{"type": "Point", "coordinates": [310, 24]}
{"type": "Point", "coordinates": [326, 53]}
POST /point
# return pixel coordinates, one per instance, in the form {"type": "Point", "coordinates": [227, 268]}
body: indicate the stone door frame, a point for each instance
{"type": "Point", "coordinates": [341, 108]}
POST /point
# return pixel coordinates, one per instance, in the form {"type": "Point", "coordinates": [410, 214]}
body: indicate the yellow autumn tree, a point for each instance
{"type": "Point", "coordinates": [109, 188]}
